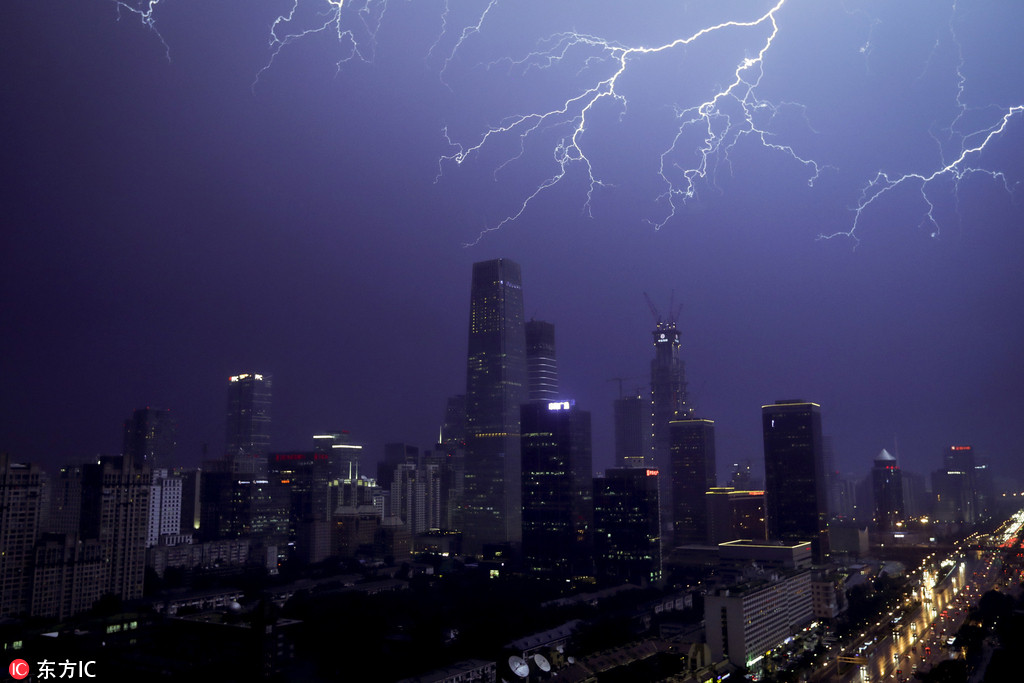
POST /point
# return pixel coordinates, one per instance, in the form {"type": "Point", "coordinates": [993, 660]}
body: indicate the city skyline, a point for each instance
{"type": "Point", "coordinates": [169, 225]}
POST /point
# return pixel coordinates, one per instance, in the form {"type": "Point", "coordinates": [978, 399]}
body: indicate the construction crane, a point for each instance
{"type": "Point", "coordinates": [673, 310]}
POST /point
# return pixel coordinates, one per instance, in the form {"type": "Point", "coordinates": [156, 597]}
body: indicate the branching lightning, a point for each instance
{"type": "Point", "coordinates": [353, 24]}
{"type": "Point", "coordinates": [722, 120]}
{"type": "Point", "coordinates": [144, 11]}
{"type": "Point", "coordinates": [967, 146]}
{"type": "Point", "coordinates": [699, 140]}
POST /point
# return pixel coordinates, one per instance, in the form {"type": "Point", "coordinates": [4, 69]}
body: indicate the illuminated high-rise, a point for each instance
{"type": "Point", "coordinates": [668, 402]}
{"type": "Point", "coordinates": [887, 491]}
{"type": "Point", "coordinates": [627, 526]}
{"type": "Point", "coordinates": [557, 489]}
{"type": "Point", "coordinates": [794, 468]}
{"type": "Point", "coordinates": [248, 422]}
{"type": "Point", "coordinates": [496, 385]}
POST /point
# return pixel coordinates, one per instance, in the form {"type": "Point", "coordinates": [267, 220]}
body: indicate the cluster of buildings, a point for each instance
{"type": "Point", "coordinates": [510, 481]}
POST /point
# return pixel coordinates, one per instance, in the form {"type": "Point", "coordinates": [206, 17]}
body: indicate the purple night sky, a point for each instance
{"type": "Point", "coordinates": [174, 212]}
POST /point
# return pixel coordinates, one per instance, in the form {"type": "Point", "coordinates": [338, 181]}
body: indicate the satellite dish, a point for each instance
{"type": "Point", "coordinates": [571, 660]}
{"type": "Point", "coordinates": [542, 662]}
{"type": "Point", "coordinates": [519, 666]}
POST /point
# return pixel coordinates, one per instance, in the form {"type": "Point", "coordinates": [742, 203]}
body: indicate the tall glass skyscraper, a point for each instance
{"type": "Point", "coordinates": [796, 506]}
{"type": "Point", "coordinates": [248, 423]}
{"type": "Point", "coordinates": [541, 363]}
{"type": "Point", "coordinates": [496, 385]}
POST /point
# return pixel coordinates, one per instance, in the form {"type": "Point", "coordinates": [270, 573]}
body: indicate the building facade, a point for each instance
{"type": "Point", "coordinates": [496, 385]}
{"type": "Point", "coordinates": [557, 489]}
{"type": "Point", "coordinates": [149, 437]}
{"type": "Point", "coordinates": [633, 432]}
{"type": "Point", "coordinates": [627, 526]}
{"type": "Point", "coordinates": [541, 361]}
{"type": "Point", "coordinates": [248, 421]}
{"type": "Point", "coordinates": [693, 473]}
{"type": "Point", "coordinates": [795, 492]}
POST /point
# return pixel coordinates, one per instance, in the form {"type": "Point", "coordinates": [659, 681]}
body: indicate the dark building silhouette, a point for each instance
{"type": "Point", "coordinates": [633, 432]}
{"type": "Point", "coordinates": [668, 402]}
{"type": "Point", "coordinates": [693, 473]}
{"type": "Point", "coordinates": [115, 512]}
{"type": "Point", "coordinates": [557, 489]}
{"type": "Point", "coordinates": [541, 363]}
{"type": "Point", "coordinates": [248, 421]}
{"type": "Point", "coordinates": [795, 493]}
{"type": "Point", "coordinates": [149, 437]}
{"type": "Point", "coordinates": [305, 479]}
{"type": "Point", "coordinates": [734, 514]}
{"type": "Point", "coordinates": [887, 491]}
{"type": "Point", "coordinates": [22, 517]}
{"type": "Point", "coordinates": [496, 385]}
{"type": "Point", "coordinates": [627, 526]}
{"type": "Point", "coordinates": [956, 496]}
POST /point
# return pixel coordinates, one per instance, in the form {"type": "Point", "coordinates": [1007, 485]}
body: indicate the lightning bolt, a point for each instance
{"type": "Point", "coordinates": [353, 24]}
{"type": "Point", "coordinates": [966, 145]}
{"type": "Point", "coordinates": [733, 112]}
{"type": "Point", "coordinates": [144, 12]}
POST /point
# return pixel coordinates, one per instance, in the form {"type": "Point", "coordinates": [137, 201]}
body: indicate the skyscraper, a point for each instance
{"type": "Point", "coordinates": [954, 486]}
{"type": "Point", "coordinates": [668, 399]}
{"type": "Point", "coordinates": [633, 432]}
{"type": "Point", "coordinates": [248, 423]}
{"type": "Point", "coordinates": [149, 437]}
{"type": "Point", "coordinates": [557, 489]}
{"type": "Point", "coordinates": [887, 491]}
{"type": "Point", "coordinates": [795, 495]}
{"type": "Point", "coordinates": [693, 473]}
{"type": "Point", "coordinates": [496, 385]}
{"type": "Point", "coordinates": [627, 526]}
{"type": "Point", "coordinates": [541, 365]}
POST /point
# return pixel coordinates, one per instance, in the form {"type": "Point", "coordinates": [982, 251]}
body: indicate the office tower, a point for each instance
{"type": "Point", "coordinates": [496, 385]}
{"type": "Point", "coordinates": [23, 509]}
{"type": "Point", "coordinates": [248, 423]}
{"type": "Point", "coordinates": [627, 526]}
{"type": "Point", "coordinates": [541, 366]}
{"type": "Point", "coordinates": [633, 432]}
{"type": "Point", "coordinates": [395, 454]}
{"type": "Point", "coordinates": [115, 512]}
{"type": "Point", "coordinates": [452, 443]}
{"type": "Point", "coordinates": [795, 495]}
{"type": "Point", "coordinates": [557, 489]}
{"type": "Point", "coordinates": [954, 487]}
{"type": "Point", "coordinates": [149, 437]}
{"type": "Point", "coordinates": [304, 480]}
{"type": "Point", "coordinates": [164, 507]}
{"type": "Point", "coordinates": [734, 514]}
{"type": "Point", "coordinates": [741, 476]}
{"type": "Point", "coordinates": [693, 473]}
{"type": "Point", "coordinates": [343, 455]}
{"type": "Point", "coordinates": [887, 491]}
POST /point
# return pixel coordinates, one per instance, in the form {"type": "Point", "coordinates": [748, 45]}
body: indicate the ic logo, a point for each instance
{"type": "Point", "coordinates": [19, 669]}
